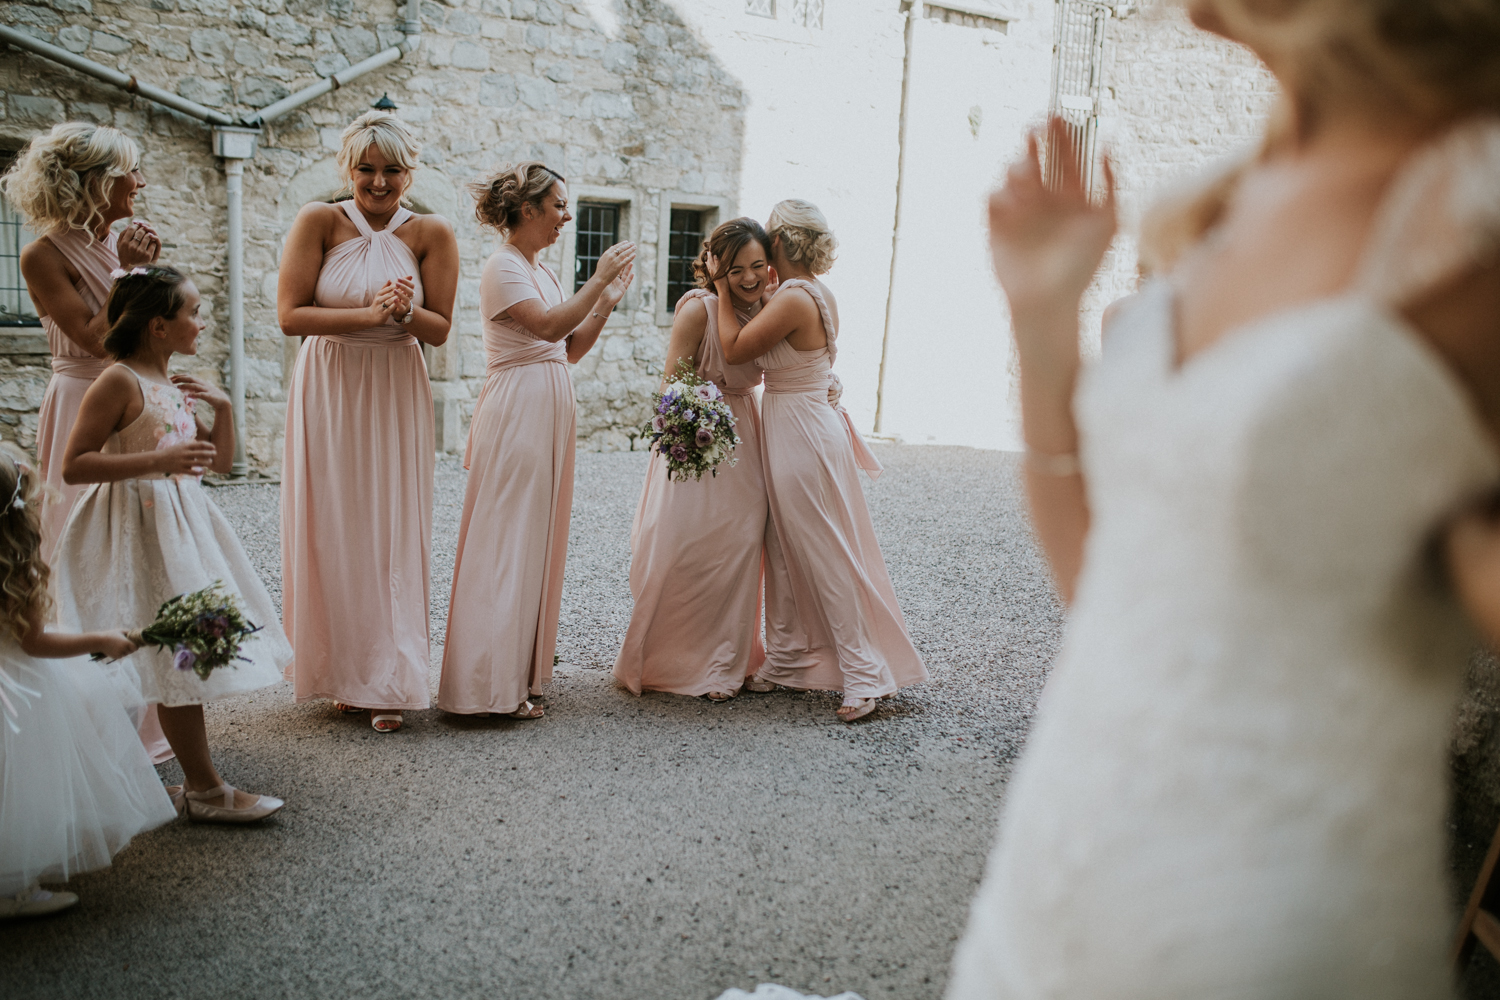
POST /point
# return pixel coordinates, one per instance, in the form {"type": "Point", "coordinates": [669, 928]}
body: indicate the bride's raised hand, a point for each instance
{"type": "Point", "coordinates": [773, 283]}
{"type": "Point", "coordinates": [1046, 242]}
{"type": "Point", "coordinates": [721, 283]}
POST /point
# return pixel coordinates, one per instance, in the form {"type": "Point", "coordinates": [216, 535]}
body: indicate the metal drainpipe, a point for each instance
{"type": "Point", "coordinates": [236, 145]}
{"type": "Point", "coordinates": [913, 10]}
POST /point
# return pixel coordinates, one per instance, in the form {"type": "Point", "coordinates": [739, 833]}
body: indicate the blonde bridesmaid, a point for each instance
{"type": "Point", "coordinates": [695, 565]}
{"type": "Point", "coordinates": [71, 184]}
{"type": "Point", "coordinates": [832, 618]}
{"type": "Point", "coordinates": [365, 283]}
{"type": "Point", "coordinates": [513, 538]}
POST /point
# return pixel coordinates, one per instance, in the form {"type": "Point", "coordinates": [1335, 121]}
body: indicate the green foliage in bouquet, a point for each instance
{"type": "Point", "coordinates": [693, 426]}
{"type": "Point", "coordinates": [204, 630]}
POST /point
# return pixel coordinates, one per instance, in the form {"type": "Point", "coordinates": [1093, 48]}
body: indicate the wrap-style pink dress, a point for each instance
{"type": "Point", "coordinates": [356, 491]}
{"type": "Point", "coordinates": [513, 537]}
{"type": "Point", "coordinates": [695, 553]}
{"type": "Point", "coordinates": [832, 622]}
{"type": "Point", "coordinates": [73, 371]}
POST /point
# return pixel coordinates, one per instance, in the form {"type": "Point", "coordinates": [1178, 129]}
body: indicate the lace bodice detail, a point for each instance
{"type": "Point", "coordinates": [166, 420]}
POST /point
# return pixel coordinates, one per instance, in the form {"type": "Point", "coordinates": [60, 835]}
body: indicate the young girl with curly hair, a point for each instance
{"type": "Point", "coordinates": [76, 783]}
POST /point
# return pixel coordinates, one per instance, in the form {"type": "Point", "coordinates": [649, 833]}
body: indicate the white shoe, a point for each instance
{"type": "Point", "coordinates": [36, 902]}
{"type": "Point", "coordinates": [201, 807]}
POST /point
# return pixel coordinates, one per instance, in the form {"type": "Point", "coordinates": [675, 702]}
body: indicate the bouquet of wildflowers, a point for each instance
{"type": "Point", "coordinates": [693, 428]}
{"type": "Point", "coordinates": [204, 630]}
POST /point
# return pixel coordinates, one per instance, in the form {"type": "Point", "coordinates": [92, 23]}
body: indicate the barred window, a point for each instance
{"type": "Point", "coordinates": [684, 243]}
{"type": "Point", "coordinates": [1078, 40]}
{"type": "Point", "coordinates": [808, 13]}
{"type": "Point", "coordinates": [15, 304]}
{"type": "Point", "coordinates": [598, 230]}
{"type": "Point", "coordinates": [761, 8]}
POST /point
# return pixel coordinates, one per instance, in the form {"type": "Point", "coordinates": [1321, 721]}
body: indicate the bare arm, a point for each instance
{"type": "Point", "coordinates": [688, 328]}
{"type": "Point", "coordinates": [565, 320]}
{"type": "Point", "coordinates": [790, 315]}
{"type": "Point", "coordinates": [112, 402]}
{"type": "Point", "coordinates": [1046, 245]}
{"type": "Point", "coordinates": [39, 642]}
{"type": "Point", "coordinates": [221, 435]}
{"type": "Point", "coordinates": [433, 319]}
{"type": "Point", "coordinates": [45, 271]}
{"type": "Point", "coordinates": [301, 263]}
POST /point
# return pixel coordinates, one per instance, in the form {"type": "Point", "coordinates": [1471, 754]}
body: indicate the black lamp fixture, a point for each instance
{"type": "Point", "coordinates": [384, 104]}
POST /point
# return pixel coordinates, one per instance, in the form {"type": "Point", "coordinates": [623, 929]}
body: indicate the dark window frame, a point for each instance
{"type": "Point", "coordinates": [685, 236]}
{"type": "Point", "coordinates": [597, 229]}
{"type": "Point", "coordinates": [16, 307]}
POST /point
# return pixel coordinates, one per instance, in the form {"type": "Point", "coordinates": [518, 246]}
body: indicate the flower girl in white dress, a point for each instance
{"type": "Point", "coordinates": [75, 782]}
{"type": "Point", "coordinates": [146, 532]}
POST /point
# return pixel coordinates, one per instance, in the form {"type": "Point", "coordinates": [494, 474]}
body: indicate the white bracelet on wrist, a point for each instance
{"type": "Point", "coordinates": [1054, 465]}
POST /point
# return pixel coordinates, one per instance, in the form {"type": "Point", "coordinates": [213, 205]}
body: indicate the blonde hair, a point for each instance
{"type": "Point", "coordinates": [23, 574]}
{"type": "Point", "coordinates": [498, 198]}
{"type": "Point", "coordinates": [383, 130]}
{"type": "Point", "coordinates": [64, 177]}
{"type": "Point", "coordinates": [1434, 60]}
{"type": "Point", "coordinates": [804, 233]}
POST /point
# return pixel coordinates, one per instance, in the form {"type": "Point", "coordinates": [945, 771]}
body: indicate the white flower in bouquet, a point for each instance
{"type": "Point", "coordinates": [693, 426]}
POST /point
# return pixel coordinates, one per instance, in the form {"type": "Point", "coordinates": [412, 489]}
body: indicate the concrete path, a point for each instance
{"type": "Point", "coordinates": [653, 848]}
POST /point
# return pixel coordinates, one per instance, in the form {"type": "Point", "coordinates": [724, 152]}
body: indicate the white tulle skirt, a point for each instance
{"type": "Point", "coordinates": [75, 782]}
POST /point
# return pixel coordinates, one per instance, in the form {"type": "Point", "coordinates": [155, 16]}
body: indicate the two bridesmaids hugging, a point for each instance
{"type": "Point", "coordinates": [790, 516]}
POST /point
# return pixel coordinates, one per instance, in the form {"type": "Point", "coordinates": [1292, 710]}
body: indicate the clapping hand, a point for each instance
{"type": "Point", "coordinates": [393, 301]}
{"type": "Point", "coordinates": [614, 260]}
{"type": "Point", "coordinates": [1046, 242]}
{"type": "Point", "coordinates": [615, 290]}
{"type": "Point", "coordinates": [195, 388]}
{"type": "Point", "coordinates": [137, 245]}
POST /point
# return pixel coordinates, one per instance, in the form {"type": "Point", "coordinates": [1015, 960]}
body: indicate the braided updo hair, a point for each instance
{"type": "Point", "coordinates": [499, 197]}
{"type": "Point", "coordinates": [135, 299]}
{"type": "Point", "coordinates": [804, 234]}
{"type": "Point", "coordinates": [725, 243]}
{"type": "Point", "coordinates": [23, 574]}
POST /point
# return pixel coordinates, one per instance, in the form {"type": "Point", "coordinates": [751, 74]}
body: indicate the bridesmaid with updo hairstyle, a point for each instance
{"type": "Point", "coordinates": [513, 539]}
{"type": "Point", "coordinates": [832, 621]}
{"type": "Point", "coordinates": [365, 283]}
{"type": "Point", "coordinates": [695, 565]}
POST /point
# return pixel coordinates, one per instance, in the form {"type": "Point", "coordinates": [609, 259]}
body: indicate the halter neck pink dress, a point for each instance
{"type": "Point", "coordinates": [132, 545]}
{"type": "Point", "coordinates": [356, 491]}
{"type": "Point", "coordinates": [695, 553]}
{"type": "Point", "coordinates": [73, 371]}
{"type": "Point", "coordinates": [832, 622]}
{"type": "Point", "coordinates": [513, 538]}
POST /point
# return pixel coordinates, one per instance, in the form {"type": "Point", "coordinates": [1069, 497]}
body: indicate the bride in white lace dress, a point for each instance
{"type": "Point", "coordinates": [1235, 785]}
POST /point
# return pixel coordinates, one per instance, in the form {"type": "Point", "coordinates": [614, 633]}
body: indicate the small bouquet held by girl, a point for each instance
{"type": "Point", "coordinates": [693, 429]}
{"type": "Point", "coordinates": [203, 629]}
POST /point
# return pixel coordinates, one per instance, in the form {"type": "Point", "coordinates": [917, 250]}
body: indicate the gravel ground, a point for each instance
{"type": "Point", "coordinates": [654, 848]}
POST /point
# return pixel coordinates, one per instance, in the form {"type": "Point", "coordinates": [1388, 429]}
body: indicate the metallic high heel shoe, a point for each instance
{"type": "Point", "coordinates": [200, 807]}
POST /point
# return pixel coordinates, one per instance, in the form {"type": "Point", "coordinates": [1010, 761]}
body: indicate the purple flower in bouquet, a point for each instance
{"type": "Point", "coordinates": [678, 452]}
{"type": "Point", "coordinates": [704, 438]}
{"type": "Point", "coordinates": [184, 659]}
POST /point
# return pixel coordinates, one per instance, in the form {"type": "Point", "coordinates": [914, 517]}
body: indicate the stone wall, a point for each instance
{"type": "Point", "coordinates": [633, 109]}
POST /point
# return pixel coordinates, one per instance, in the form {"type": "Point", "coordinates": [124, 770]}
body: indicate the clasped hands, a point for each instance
{"type": "Point", "coordinates": [138, 245]}
{"type": "Point", "coordinates": [393, 302]}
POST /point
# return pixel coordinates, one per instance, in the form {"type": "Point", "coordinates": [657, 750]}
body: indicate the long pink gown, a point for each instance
{"type": "Point", "coordinates": [832, 622]}
{"type": "Point", "coordinates": [695, 565]}
{"type": "Point", "coordinates": [356, 491]}
{"type": "Point", "coordinates": [513, 538]}
{"type": "Point", "coordinates": [73, 371]}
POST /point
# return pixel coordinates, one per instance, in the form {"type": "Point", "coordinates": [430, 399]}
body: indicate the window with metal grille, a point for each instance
{"type": "Point", "coordinates": [15, 304]}
{"type": "Point", "coordinates": [808, 13]}
{"type": "Point", "coordinates": [598, 230]}
{"type": "Point", "coordinates": [761, 8]}
{"type": "Point", "coordinates": [684, 243]}
{"type": "Point", "coordinates": [1077, 81]}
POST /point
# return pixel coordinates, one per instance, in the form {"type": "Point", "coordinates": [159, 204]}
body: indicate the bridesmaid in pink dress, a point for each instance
{"type": "Point", "coordinates": [366, 282]}
{"type": "Point", "coordinates": [695, 567]}
{"type": "Point", "coordinates": [72, 183]}
{"type": "Point", "coordinates": [832, 618]}
{"type": "Point", "coordinates": [513, 538]}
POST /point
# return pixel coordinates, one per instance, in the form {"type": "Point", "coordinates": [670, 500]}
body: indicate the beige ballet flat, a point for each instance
{"type": "Point", "coordinates": [35, 902]}
{"type": "Point", "coordinates": [201, 810]}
